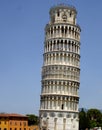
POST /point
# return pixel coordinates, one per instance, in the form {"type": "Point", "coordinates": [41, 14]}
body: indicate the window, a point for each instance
{"type": "Point", "coordinates": [70, 14]}
{"type": "Point", "coordinates": [5, 129]}
{"type": "Point", "coordinates": [20, 123]}
{"type": "Point", "coordinates": [10, 123]}
{"type": "Point", "coordinates": [24, 123]}
{"type": "Point", "coordinates": [62, 106]}
{"type": "Point", "coordinates": [10, 128]}
{"type": "Point", "coordinates": [24, 128]}
{"type": "Point", "coordinates": [0, 122]}
{"type": "Point", "coordinates": [58, 14]}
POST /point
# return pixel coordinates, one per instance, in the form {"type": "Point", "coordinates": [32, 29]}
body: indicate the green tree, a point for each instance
{"type": "Point", "coordinates": [83, 121]}
{"type": "Point", "coordinates": [95, 118]}
{"type": "Point", "coordinates": [32, 119]}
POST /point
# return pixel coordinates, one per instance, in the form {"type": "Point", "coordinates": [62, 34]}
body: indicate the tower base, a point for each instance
{"type": "Point", "coordinates": [59, 121]}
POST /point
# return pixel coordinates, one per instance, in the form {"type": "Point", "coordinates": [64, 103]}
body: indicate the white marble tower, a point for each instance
{"type": "Point", "coordinates": [60, 71]}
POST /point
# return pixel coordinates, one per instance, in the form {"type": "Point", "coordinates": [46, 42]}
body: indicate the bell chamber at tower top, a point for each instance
{"type": "Point", "coordinates": [63, 14]}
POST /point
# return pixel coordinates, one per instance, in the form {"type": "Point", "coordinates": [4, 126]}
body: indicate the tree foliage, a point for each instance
{"type": "Point", "coordinates": [83, 120]}
{"type": "Point", "coordinates": [90, 119]}
{"type": "Point", "coordinates": [32, 119]}
{"type": "Point", "coordinates": [95, 118]}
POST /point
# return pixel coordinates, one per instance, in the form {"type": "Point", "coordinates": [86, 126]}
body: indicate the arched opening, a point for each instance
{"type": "Point", "coordinates": [51, 31]}
{"type": "Point", "coordinates": [58, 14]}
{"type": "Point", "coordinates": [66, 30]}
{"type": "Point", "coordinates": [58, 29]}
{"type": "Point", "coordinates": [62, 29]}
{"type": "Point", "coordinates": [62, 106]}
{"type": "Point", "coordinates": [69, 30]}
{"type": "Point", "coordinates": [70, 14]}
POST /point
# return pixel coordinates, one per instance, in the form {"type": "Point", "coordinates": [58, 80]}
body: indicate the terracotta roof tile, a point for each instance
{"type": "Point", "coordinates": [11, 115]}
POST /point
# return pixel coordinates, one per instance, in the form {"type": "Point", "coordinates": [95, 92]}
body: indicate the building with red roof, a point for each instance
{"type": "Point", "coordinates": [13, 121]}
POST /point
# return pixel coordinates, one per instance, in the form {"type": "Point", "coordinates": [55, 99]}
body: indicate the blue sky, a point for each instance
{"type": "Point", "coordinates": [22, 25]}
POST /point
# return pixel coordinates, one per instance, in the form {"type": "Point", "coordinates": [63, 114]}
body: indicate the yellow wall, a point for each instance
{"type": "Point", "coordinates": [7, 124]}
{"type": "Point", "coordinates": [4, 123]}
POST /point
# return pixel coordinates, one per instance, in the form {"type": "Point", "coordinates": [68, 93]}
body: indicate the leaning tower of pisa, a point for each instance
{"type": "Point", "coordinates": [60, 71]}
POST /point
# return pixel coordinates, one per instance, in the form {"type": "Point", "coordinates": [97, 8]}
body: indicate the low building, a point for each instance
{"type": "Point", "coordinates": [13, 122]}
